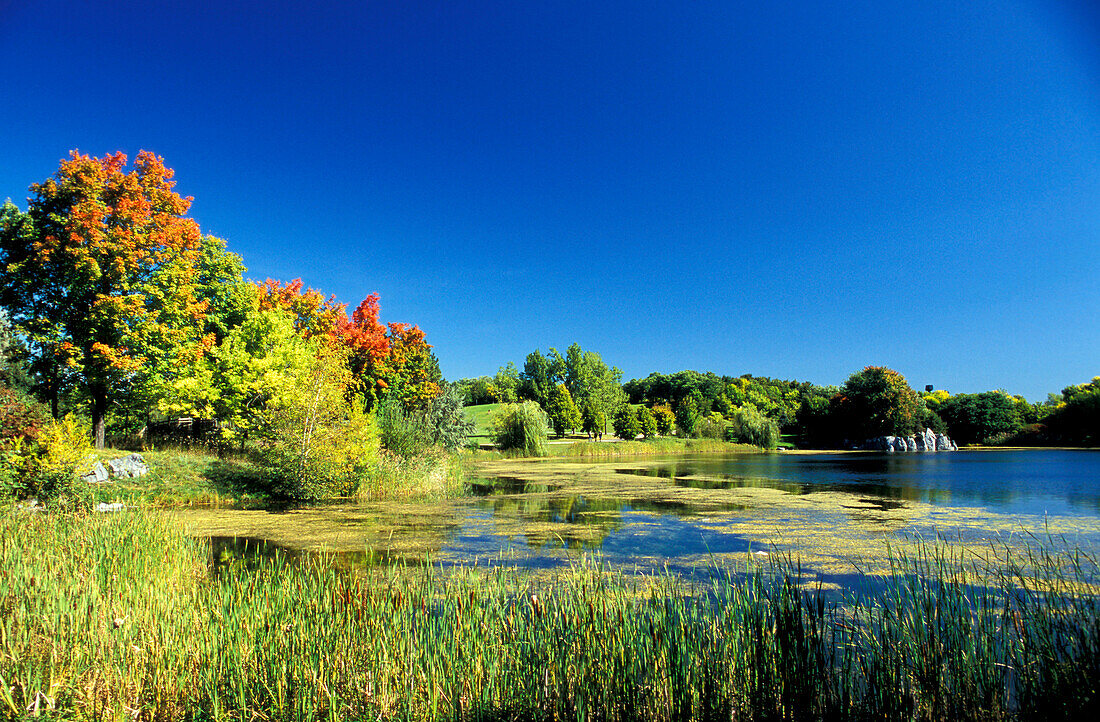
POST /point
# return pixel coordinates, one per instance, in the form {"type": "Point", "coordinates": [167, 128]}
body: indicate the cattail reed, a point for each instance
{"type": "Point", "coordinates": [113, 616]}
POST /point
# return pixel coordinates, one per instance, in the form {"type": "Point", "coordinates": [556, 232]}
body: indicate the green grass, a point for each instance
{"type": "Point", "coordinates": [480, 416]}
{"type": "Point", "coordinates": [182, 477]}
{"type": "Point", "coordinates": [113, 616]}
{"type": "Point", "coordinates": [661, 445]}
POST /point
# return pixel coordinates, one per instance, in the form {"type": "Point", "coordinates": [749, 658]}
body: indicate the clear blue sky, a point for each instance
{"type": "Point", "coordinates": [790, 189]}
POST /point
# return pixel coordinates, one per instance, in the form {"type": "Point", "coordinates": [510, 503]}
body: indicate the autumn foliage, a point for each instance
{"type": "Point", "coordinates": [313, 314]}
{"type": "Point", "coordinates": [122, 305]}
{"type": "Point", "coordinates": [99, 275]}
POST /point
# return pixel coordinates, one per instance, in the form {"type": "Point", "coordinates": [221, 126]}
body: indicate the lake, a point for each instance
{"type": "Point", "coordinates": [835, 512]}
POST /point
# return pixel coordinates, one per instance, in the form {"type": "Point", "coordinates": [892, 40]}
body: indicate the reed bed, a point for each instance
{"type": "Point", "coordinates": [649, 447]}
{"type": "Point", "coordinates": [122, 616]}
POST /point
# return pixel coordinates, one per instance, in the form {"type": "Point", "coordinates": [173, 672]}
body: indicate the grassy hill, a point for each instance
{"type": "Point", "coordinates": [480, 416]}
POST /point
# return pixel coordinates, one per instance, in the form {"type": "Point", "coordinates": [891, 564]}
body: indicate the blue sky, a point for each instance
{"type": "Point", "coordinates": [789, 189]}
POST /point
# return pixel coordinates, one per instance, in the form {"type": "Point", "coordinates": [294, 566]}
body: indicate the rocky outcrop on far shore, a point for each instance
{"type": "Point", "coordinates": [927, 440]}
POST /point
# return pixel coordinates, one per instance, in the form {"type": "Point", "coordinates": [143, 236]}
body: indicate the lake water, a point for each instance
{"type": "Point", "coordinates": [833, 511]}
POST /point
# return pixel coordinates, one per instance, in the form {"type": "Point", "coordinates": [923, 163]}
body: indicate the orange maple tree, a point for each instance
{"type": "Point", "coordinates": [388, 358]}
{"type": "Point", "coordinates": [313, 314]}
{"type": "Point", "coordinates": [100, 268]}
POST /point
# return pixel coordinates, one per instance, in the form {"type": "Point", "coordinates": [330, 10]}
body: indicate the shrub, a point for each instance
{"type": "Point", "coordinates": [314, 443]}
{"type": "Point", "coordinates": [711, 426]}
{"type": "Point", "coordinates": [522, 427]}
{"type": "Point", "coordinates": [666, 420]}
{"type": "Point", "coordinates": [20, 417]}
{"type": "Point", "coordinates": [404, 432]}
{"type": "Point", "coordinates": [50, 466]}
{"type": "Point", "coordinates": [449, 425]}
{"type": "Point", "coordinates": [749, 426]}
{"type": "Point", "coordinates": [626, 423]}
{"type": "Point", "coordinates": [647, 422]}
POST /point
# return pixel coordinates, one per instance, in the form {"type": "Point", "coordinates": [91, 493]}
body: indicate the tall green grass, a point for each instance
{"type": "Point", "coordinates": [661, 445]}
{"type": "Point", "coordinates": [111, 617]}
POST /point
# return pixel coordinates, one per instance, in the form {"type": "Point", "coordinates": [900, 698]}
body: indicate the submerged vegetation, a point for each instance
{"type": "Point", "coordinates": [123, 615]}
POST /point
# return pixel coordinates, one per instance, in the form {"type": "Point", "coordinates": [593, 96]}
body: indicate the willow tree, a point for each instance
{"type": "Point", "coordinates": [98, 276]}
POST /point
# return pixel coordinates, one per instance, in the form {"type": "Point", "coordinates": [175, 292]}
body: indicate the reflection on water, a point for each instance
{"type": "Point", "coordinates": [683, 513]}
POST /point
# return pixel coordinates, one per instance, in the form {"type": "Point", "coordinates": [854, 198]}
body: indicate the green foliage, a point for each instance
{"type": "Point", "coordinates": [540, 376]}
{"type": "Point", "coordinates": [978, 418]}
{"type": "Point", "coordinates": [445, 417]}
{"type": "Point", "coordinates": [403, 431]}
{"type": "Point", "coordinates": [563, 413]}
{"type": "Point", "coordinates": [313, 443]}
{"type": "Point", "coordinates": [647, 422]}
{"type": "Point", "coordinates": [626, 423]}
{"type": "Point", "coordinates": [521, 427]}
{"type": "Point", "coordinates": [876, 401]}
{"type": "Point", "coordinates": [593, 421]}
{"type": "Point", "coordinates": [20, 417]}
{"type": "Point", "coordinates": [49, 466]}
{"type": "Point", "coordinates": [687, 416]}
{"type": "Point", "coordinates": [711, 426]}
{"type": "Point", "coordinates": [439, 422]}
{"type": "Point", "coordinates": [220, 283]}
{"type": "Point", "coordinates": [261, 360]}
{"type": "Point", "coordinates": [666, 420]}
{"type": "Point", "coordinates": [506, 384]}
{"type": "Point", "coordinates": [749, 426]}
{"type": "Point", "coordinates": [1076, 420]}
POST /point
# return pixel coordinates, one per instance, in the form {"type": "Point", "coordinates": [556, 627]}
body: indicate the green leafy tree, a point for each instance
{"type": "Point", "coordinates": [877, 401]}
{"type": "Point", "coordinates": [647, 422]}
{"type": "Point", "coordinates": [749, 426]}
{"type": "Point", "coordinates": [666, 420]}
{"type": "Point", "coordinates": [260, 360]}
{"type": "Point", "coordinates": [522, 427]}
{"type": "Point", "coordinates": [711, 426]}
{"type": "Point", "coordinates": [975, 418]}
{"type": "Point", "coordinates": [626, 423]}
{"type": "Point", "coordinates": [221, 286]}
{"type": "Point", "coordinates": [593, 420]}
{"type": "Point", "coordinates": [1076, 419]}
{"type": "Point", "coordinates": [507, 382]}
{"type": "Point", "coordinates": [538, 378]}
{"type": "Point", "coordinates": [563, 413]}
{"type": "Point", "coordinates": [315, 444]}
{"type": "Point", "coordinates": [99, 277]}
{"type": "Point", "coordinates": [687, 416]}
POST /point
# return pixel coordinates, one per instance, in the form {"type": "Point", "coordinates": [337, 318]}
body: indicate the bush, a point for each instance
{"type": "Point", "coordinates": [449, 425]}
{"type": "Point", "coordinates": [749, 426]}
{"type": "Point", "coordinates": [314, 443]}
{"type": "Point", "coordinates": [439, 422]}
{"type": "Point", "coordinates": [625, 423]}
{"type": "Point", "coordinates": [522, 427]}
{"type": "Point", "coordinates": [49, 467]}
{"type": "Point", "coordinates": [404, 432]}
{"type": "Point", "coordinates": [647, 422]}
{"type": "Point", "coordinates": [711, 426]}
{"type": "Point", "coordinates": [20, 417]}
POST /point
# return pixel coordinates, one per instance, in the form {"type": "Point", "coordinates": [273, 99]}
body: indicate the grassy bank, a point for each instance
{"type": "Point", "coordinates": [660, 446]}
{"type": "Point", "coordinates": [198, 477]}
{"type": "Point", "coordinates": [117, 616]}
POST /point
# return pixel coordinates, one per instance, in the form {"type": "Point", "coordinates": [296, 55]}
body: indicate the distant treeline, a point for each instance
{"type": "Point", "coordinates": [873, 402]}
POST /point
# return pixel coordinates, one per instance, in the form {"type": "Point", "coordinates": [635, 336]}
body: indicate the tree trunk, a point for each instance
{"type": "Point", "coordinates": [99, 416]}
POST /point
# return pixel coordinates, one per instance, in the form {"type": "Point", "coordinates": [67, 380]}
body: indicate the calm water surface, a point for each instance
{"type": "Point", "coordinates": [1056, 482]}
{"type": "Point", "coordinates": [679, 513]}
